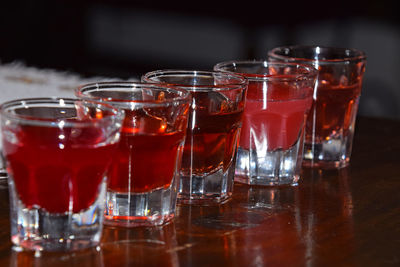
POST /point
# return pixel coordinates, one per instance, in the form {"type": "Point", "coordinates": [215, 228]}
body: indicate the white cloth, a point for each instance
{"type": "Point", "coordinates": [19, 81]}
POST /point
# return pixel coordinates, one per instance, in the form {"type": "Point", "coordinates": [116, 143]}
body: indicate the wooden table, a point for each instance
{"type": "Point", "coordinates": [349, 217]}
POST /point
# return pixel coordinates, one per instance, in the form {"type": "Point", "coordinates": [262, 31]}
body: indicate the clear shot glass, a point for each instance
{"type": "Point", "coordinates": [142, 187]}
{"type": "Point", "coordinates": [58, 151]}
{"type": "Point", "coordinates": [215, 119]}
{"type": "Point", "coordinates": [331, 123]}
{"type": "Point", "coordinates": [279, 98]}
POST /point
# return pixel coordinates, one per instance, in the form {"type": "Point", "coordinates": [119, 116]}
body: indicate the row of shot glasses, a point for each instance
{"type": "Point", "coordinates": [124, 153]}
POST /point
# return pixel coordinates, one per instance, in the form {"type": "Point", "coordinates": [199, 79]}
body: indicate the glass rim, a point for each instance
{"type": "Point", "coordinates": [182, 95]}
{"type": "Point", "coordinates": [240, 84]}
{"type": "Point", "coordinates": [310, 71]}
{"type": "Point", "coordinates": [56, 102]}
{"type": "Point", "coordinates": [358, 55]}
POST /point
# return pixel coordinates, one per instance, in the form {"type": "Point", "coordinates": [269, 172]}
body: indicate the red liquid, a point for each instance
{"type": "Point", "coordinates": [146, 157]}
{"type": "Point", "coordinates": [145, 162]}
{"type": "Point", "coordinates": [333, 111]}
{"type": "Point", "coordinates": [54, 172]}
{"type": "Point", "coordinates": [277, 122]}
{"type": "Point", "coordinates": [211, 138]}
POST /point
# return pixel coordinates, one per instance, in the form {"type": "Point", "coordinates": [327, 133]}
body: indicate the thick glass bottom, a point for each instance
{"type": "Point", "coordinates": [156, 207]}
{"type": "Point", "coordinates": [209, 189]}
{"type": "Point", "coordinates": [36, 229]}
{"type": "Point", "coordinates": [277, 167]}
{"type": "Point", "coordinates": [329, 154]}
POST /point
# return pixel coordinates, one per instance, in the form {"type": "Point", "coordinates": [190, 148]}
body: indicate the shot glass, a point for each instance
{"type": "Point", "coordinates": [58, 151]}
{"type": "Point", "coordinates": [331, 123]}
{"type": "Point", "coordinates": [142, 187]}
{"type": "Point", "coordinates": [279, 98]}
{"type": "Point", "coordinates": [215, 119]}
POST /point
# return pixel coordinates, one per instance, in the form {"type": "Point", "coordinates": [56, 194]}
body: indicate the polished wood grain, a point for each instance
{"type": "Point", "coordinates": [347, 217]}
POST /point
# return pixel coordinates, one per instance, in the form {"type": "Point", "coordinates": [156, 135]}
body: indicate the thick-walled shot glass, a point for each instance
{"type": "Point", "coordinates": [58, 151]}
{"type": "Point", "coordinates": [142, 187]}
{"type": "Point", "coordinates": [331, 123]}
{"type": "Point", "coordinates": [215, 120]}
{"type": "Point", "coordinates": [279, 98]}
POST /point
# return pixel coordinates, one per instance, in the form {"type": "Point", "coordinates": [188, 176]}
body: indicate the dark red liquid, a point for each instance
{"type": "Point", "coordinates": [57, 169]}
{"type": "Point", "coordinates": [147, 155]}
{"type": "Point", "coordinates": [274, 115]}
{"type": "Point", "coordinates": [212, 136]}
{"type": "Point", "coordinates": [145, 162]}
{"type": "Point", "coordinates": [333, 111]}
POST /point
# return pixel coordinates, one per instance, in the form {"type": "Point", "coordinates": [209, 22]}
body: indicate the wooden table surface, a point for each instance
{"type": "Point", "coordinates": [347, 217]}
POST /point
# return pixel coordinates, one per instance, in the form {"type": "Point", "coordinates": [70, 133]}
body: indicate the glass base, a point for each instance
{"type": "Point", "coordinates": [326, 165]}
{"type": "Point", "coordinates": [277, 167]}
{"type": "Point", "coordinates": [53, 244]}
{"type": "Point", "coordinates": [156, 207]}
{"type": "Point", "coordinates": [210, 189]}
{"type": "Point", "coordinates": [331, 154]}
{"type": "Point", "coordinates": [268, 181]}
{"type": "Point", "coordinates": [37, 229]}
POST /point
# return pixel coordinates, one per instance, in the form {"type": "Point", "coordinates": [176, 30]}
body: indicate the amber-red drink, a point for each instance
{"type": "Point", "coordinates": [333, 112]}
{"type": "Point", "coordinates": [212, 139]}
{"type": "Point", "coordinates": [215, 119]}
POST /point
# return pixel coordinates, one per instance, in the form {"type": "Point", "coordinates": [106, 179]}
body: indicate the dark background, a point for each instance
{"type": "Point", "coordinates": [125, 39]}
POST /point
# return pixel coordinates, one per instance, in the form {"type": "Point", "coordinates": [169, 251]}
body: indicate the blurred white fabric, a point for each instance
{"type": "Point", "coordinates": [19, 81]}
